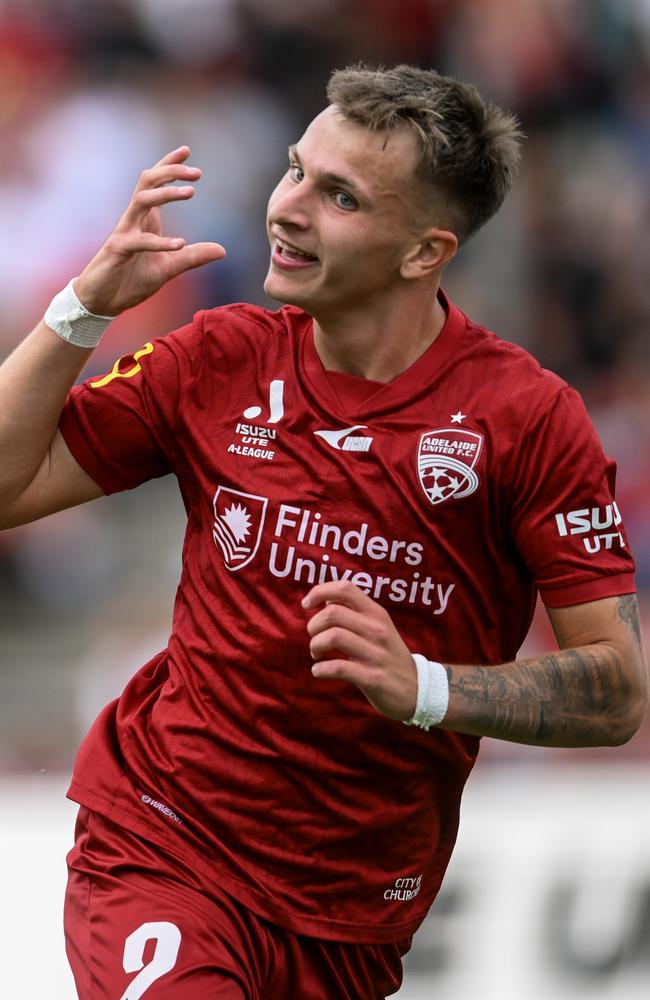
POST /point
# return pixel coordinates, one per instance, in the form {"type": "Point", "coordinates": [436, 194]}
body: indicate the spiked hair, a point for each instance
{"type": "Point", "coordinates": [469, 147]}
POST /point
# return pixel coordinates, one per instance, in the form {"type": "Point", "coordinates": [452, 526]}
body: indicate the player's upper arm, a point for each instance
{"type": "Point", "coordinates": [614, 622]}
{"type": "Point", "coordinates": [59, 483]}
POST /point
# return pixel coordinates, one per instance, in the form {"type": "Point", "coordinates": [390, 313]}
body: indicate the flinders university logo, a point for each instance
{"type": "Point", "coordinates": [238, 522]}
{"type": "Point", "coordinates": [446, 462]}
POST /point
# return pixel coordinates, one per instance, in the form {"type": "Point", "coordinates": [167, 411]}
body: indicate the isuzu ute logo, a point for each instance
{"type": "Point", "coordinates": [446, 461]}
{"type": "Point", "coordinates": [237, 528]}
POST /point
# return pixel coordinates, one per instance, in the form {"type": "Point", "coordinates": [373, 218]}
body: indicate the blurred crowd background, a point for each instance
{"type": "Point", "coordinates": [90, 93]}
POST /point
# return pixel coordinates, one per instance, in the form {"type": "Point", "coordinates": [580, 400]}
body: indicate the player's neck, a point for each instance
{"type": "Point", "coordinates": [378, 347]}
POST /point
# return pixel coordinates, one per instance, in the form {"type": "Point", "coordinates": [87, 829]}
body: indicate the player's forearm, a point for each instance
{"type": "Point", "coordinates": [34, 383]}
{"type": "Point", "coordinates": [581, 697]}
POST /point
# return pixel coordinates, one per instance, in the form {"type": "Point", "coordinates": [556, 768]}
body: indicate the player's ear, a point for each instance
{"type": "Point", "coordinates": [433, 251]}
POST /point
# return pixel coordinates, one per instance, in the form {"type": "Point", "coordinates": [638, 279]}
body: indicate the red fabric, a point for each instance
{"type": "Point", "coordinates": [351, 390]}
{"type": "Point", "coordinates": [302, 801]}
{"type": "Point", "coordinates": [204, 944]}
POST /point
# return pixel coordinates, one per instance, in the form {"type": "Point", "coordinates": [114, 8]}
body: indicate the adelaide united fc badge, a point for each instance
{"type": "Point", "coordinates": [446, 463]}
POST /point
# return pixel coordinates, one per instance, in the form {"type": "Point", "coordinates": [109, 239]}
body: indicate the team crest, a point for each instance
{"type": "Point", "coordinates": [237, 529]}
{"type": "Point", "coordinates": [446, 462]}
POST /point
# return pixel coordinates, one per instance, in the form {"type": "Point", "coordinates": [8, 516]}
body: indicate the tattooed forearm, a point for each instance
{"type": "Point", "coordinates": [572, 697]}
{"type": "Point", "coordinates": [627, 610]}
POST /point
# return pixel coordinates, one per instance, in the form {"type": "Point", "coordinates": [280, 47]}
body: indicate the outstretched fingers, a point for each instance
{"type": "Point", "coordinates": [148, 198]}
{"type": "Point", "coordinates": [138, 241]}
{"type": "Point", "coordinates": [178, 155]}
{"type": "Point", "coordinates": [182, 256]}
{"type": "Point", "coordinates": [161, 184]}
{"type": "Point", "coordinates": [170, 167]}
{"type": "Point", "coordinates": [137, 259]}
{"type": "Point", "coordinates": [139, 227]}
{"type": "Point", "coordinates": [194, 255]}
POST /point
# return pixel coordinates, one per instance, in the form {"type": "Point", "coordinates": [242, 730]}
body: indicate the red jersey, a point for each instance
{"type": "Point", "coordinates": [450, 495]}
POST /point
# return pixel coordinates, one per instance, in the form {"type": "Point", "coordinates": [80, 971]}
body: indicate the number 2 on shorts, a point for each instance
{"type": "Point", "coordinates": [168, 940]}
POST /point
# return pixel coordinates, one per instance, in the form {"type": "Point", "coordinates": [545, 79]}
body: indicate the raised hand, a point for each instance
{"type": "Point", "coordinates": [354, 639]}
{"type": "Point", "coordinates": [136, 259]}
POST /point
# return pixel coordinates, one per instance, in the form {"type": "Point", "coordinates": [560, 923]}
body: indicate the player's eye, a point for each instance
{"type": "Point", "coordinates": [296, 172]}
{"type": "Point", "coordinates": [345, 201]}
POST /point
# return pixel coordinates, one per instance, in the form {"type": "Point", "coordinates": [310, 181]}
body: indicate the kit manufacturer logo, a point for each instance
{"type": "Point", "coordinates": [237, 529]}
{"type": "Point", "coordinates": [346, 440]}
{"type": "Point", "coordinates": [446, 463]}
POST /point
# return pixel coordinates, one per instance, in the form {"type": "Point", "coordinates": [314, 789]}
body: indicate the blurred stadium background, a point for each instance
{"type": "Point", "coordinates": [549, 893]}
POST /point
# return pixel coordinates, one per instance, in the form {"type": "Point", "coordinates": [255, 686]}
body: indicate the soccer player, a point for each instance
{"type": "Point", "coordinates": [376, 490]}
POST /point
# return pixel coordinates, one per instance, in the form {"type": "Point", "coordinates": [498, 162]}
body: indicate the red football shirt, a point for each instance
{"type": "Point", "coordinates": [450, 495]}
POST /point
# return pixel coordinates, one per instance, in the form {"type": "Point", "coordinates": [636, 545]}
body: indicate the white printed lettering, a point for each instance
{"type": "Point", "coordinates": [588, 519]}
{"type": "Point", "coordinates": [443, 597]}
{"type": "Point", "coordinates": [285, 562]}
{"type": "Point", "coordinates": [405, 888]}
{"type": "Point", "coordinates": [377, 547]}
{"type": "Point", "coordinates": [284, 519]}
{"type": "Point", "coordinates": [243, 449]}
{"type": "Point", "coordinates": [363, 581]}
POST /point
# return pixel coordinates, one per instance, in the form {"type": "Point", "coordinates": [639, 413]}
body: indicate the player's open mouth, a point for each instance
{"type": "Point", "coordinates": [289, 257]}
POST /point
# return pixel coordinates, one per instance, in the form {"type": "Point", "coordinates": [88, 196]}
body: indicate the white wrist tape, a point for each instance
{"type": "Point", "coordinates": [68, 318]}
{"type": "Point", "coordinates": [433, 693]}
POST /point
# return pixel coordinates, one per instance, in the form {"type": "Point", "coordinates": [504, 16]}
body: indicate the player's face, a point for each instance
{"type": "Point", "coordinates": [342, 218]}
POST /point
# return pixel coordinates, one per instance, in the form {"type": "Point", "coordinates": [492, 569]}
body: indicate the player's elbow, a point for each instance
{"type": "Point", "coordinates": [628, 719]}
{"type": "Point", "coordinates": [626, 696]}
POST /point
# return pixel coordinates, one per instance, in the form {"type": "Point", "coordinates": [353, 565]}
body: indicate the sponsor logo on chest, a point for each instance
{"type": "Point", "coordinates": [255, 438]}
{"type": "Point", "coordinates": [237, 528]}
{"type": "Point", "coordinates": [306, 549]}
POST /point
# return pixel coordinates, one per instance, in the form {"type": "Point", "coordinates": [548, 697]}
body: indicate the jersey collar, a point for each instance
{"type": "Point", "coordinates": [341, 397]}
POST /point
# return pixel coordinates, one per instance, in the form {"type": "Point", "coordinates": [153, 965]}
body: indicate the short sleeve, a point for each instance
{"type": "Point", "coordinates": [566, 524]}
{"type": "Point", "coordinates": [120, 426]}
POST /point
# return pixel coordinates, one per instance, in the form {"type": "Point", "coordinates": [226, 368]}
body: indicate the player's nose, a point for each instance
{"type": "Point", "coordinates": [289, 206]}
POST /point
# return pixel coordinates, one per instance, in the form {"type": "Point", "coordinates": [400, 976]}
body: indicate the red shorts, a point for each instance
{"type": "Point", "coordinates": [138, 923]}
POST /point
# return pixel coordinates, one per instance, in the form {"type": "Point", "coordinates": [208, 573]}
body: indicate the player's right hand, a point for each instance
{"type": "Point", "coordinates": [136, 259]}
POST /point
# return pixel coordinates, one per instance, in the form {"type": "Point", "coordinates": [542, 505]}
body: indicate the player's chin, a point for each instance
{"type": "Point", "coordinates": [283, 289]}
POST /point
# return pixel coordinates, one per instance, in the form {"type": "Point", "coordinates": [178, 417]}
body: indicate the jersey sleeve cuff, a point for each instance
{"type": "Point", "coordinates": [592, 590]}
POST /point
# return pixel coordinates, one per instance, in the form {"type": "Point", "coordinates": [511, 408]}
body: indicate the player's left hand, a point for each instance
{"type": "Point", "coordinates": [354, 639]}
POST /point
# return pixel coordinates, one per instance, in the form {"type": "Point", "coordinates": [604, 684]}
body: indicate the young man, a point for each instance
{"type": "Point", "coordinates": [375, 486]}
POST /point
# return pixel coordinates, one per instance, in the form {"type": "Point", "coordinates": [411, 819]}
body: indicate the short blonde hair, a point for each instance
{"type": "Point", "coordinates": [470, 147]}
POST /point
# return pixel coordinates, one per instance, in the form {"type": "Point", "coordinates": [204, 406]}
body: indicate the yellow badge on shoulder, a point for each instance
{"type": "Point", "coordinates": [129, 373]}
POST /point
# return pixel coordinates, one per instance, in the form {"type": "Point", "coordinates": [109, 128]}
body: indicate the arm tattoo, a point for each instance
{"type": "Point", "coordinates": [572, 697]}
{"type": "Point", "coordinates": [627, 610]}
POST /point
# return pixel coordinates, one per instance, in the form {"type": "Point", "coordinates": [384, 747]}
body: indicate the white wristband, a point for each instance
{"type": "Point", "coordinates": [433, 693]}
{"type": "Point", "coordinates": [71, 321]}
